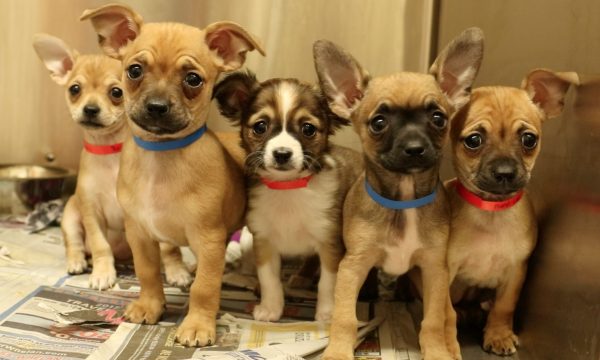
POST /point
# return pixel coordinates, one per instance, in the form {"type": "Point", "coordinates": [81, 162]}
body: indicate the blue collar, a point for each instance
{"type": "Point", "coordinates": [399, 204]}
{"type": "Point", "coordinates": [170, 144]}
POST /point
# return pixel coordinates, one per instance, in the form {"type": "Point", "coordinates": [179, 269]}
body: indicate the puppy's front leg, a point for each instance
{"type": "Point", "coordinates": [103, 274]}
{"type": "Point", "coordinates": [199, 326]}
{"type": "Point", "coordinates": [451, 333]}
{"type": "Point", "coordinates": [175, 270]}
{"type": "Point", "coordinates": [330, 256]}
{"type": "Point", "coordinates": [268, 269]}
{"type": "Point", "coordinates": [73, 235]}
{"type": "Point", "coordinates": [432, 337]}
{"type": "Point", "coordinates": [146, 260]}
{"type": "Point", "coordinates": [352, 273]}
{"type": "Point", "coordinates": [498, 336]}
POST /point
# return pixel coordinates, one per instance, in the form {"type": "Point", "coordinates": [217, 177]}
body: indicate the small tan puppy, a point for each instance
{"type": "Point", "coordinates": [396, 215]}
{"type": "Point", "coordinates": [495, 141]}
{"type": "Point", "coordinates": [93, 220]}
{"type": "Point", "coordinates": [177, 183]}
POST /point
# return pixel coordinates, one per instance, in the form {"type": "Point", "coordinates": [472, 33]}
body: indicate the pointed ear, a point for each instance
{"type": "Point", "coordinates": [233, 94]}
{"type": "Point", "coordinates": [56, 56]}
{"type": "Point", "coordinates": [547, 89]}
{"type": "Point", "coordinates": [229, 43]}
{"type": "Point", "coordinates": [457, 66]}
{"type": "Point", "coordinates": [115, 25]}
{"type": "Point", "coordinates": [342, 79]}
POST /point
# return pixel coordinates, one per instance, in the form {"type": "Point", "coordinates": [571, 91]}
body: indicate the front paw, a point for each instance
{"type": "Point", "coordinates": [436, 354]}
{"type": "Point", "coordinates": [267, 312]}
{"type": "Point", "coordinates": [76, 263]}
{"type": "Point", "coordinates": [103, 277]}
{"type": "Point", "coordinates": [195, 332]}
{"type": "Point", "coordinates": [500, 341]}
{"type": "Point", "coordinates": [178, 275]}
{"type": "Point", "coordinates": [335, 354]}
{"type": "Point", "coordinates": [144, 311]}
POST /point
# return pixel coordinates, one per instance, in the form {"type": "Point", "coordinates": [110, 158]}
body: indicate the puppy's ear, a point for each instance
{"type": "Point", "coordinates": [457, 66]}
{"type": "Point", "coordinates": [342, 79]}
{"type": "Point", "coordinates": [56, 56]}
{"type": "Point", "coordinates": [229, 43]}
{"type": "Point", "coordinates": [115, 25]}
{"type": "Point", "coordinates": [547, 89]}
{"type": "Point", "coordinates": [233, 94]}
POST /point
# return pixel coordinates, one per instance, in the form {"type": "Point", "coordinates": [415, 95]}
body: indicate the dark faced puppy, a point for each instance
{"type": "Point", "coordinates": [396, 215]}
{"type": "Point", "coordinates": [296, 176]}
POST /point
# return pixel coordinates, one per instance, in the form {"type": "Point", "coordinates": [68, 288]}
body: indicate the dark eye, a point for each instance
{"type": "Point", "coordinates": [74, 89]}
{"type": "Point", "coordinates": [529, 140]}
{"type": "Point", "coordinates": [438, 119]}
{"type": "Point", "coordinates": [193, 80]}
{"type": "Point", "coordinates": [378, 124]}
{"type": "Point", "coordinates": [473, 141]}
{"type": "Point", "coordinates": [116, 93]}
{"type": "Point", "coordinates": [308, 130]}
{"type": "Point", "coordinates": [260, 127]}
{"type": "Point", "coordinates": [135, 71]}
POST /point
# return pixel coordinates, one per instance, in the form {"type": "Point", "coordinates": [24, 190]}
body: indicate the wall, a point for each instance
{"type": "Point", "coordinates": [385, 35]}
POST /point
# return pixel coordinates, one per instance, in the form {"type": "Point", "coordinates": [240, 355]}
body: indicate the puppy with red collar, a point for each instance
{"type": "Point", "coordinates": [495, 141]}
{"type": "Point", "coordinates": [298, 180]}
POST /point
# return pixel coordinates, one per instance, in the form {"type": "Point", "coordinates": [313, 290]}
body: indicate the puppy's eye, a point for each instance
{"type": "Point", "coordinates": [74, 90]}
{"type": "Point", "coordinates": [473, 141]}
{"type": "Point", "coordinates": [529, 140]}
{"type": "Point", "coordinates": [438, 119]}
{"type": "Point", "coordinates": [308, 130]}
{"type": "Point", "coordinates": [260, 127]}
{"type": "Point", "coordinates": [116, 93]}
{"type": "Point", "coordinates": [193, 80]}
{"type": "Point", "coordinates": [135, 71]}
{"type": "Point", "coordinates": [378, 124]}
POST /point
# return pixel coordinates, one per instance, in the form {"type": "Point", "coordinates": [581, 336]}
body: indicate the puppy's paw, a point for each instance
{"type": "Point", "coordinates": [195, 332]}
{"type": "Point", "coordinates": [267, 312]}
{"type": "Point", "coordinates": [144, 311]}
{"type": "Point", "coordinates": [76, 264]}
{"type": "Point", "coordinates": [335, 354]}
{"type": "Point", "coordinates": [436, 354]}
{"type": "Point", "coordinates": [103, 278]}
{"type": "Point", "coordinates": [500, 341]}
{"type": "Point", "coordinates": [178, 275]}
{"type": "Point", "coordinates": [452, 343]}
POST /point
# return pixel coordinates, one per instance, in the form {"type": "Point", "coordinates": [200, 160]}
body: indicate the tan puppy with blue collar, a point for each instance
{"type": "Point", "coordinates": [177, 182]}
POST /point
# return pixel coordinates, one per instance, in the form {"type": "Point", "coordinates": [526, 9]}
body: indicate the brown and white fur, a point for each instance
{"type": "Point", "coordinates": [496, 139]}
{"type": "Point", "coordinates": [188, 196]}
{"type": "Point", "coordinates": [285, 128]}
{"type": "Point", "coordinates": [93, 220]}
{"type": "Point", "coordinates": [401, 120]}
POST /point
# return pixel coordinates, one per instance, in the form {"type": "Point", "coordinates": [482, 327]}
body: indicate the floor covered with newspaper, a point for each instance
{"type": "Point", "coordinates": [46, 314]}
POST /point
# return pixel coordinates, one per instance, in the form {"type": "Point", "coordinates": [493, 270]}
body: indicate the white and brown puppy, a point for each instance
{"type": "Point", "coordinates": [298, 180]}
{"type": "Point", "coordinates": [496, 139]}
{"type": "Point", "coordinates": [177, 182]}
{"type": "Point", "coordinates": [396, 215]}
{"type": "Point", "coordinates": [93, 220]}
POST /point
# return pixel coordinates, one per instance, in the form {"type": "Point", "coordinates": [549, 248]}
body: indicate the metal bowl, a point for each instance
{"type": "Point", "coordinates": [23, 186]}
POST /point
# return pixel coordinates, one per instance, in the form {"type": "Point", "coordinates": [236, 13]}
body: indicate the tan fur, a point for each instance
{"type": "Point", "coordinates": [190, 196]}
{"type": "Point", "coordinates": [490, 248]}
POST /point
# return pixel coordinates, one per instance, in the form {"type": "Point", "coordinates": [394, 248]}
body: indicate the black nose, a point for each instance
{"type": "Point", "coordinates": [282, 155]}
{"type": "Point", "coordinates": [504, 173]}
{"type": "Point", "coordinates": [157, 107]}
{"type": "Point", "coordinates": [91, 110]}
{"type": "Point", "coordinates": [414, 148]}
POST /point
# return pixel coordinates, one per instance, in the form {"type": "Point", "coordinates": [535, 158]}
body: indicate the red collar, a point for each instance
{"type": "Point", "coordinates": [102, 149]}
{"type": "Point", "coordinates": [287, 185]}
{"type": "Point", "coordinates": [478, 202]}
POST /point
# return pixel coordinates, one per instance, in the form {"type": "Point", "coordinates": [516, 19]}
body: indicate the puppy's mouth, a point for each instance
{"type": "Point", "coordinates": [498, 191]}
{"type": "Point", "coordinates": [91, 124]}
{"type": "Point", "coordinates": [159, 127]}
{"type": "Point", "coordinates": [407, 166]}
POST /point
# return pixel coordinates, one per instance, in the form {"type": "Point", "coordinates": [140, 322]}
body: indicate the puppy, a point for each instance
{"type": "Point", "coordinates": [298, 180]}
{"type": "Point", "coordinates": [495, 139]}
{"type": "Point", "coordinates": [177, 183]}
{"type": "Point", "coordinates": [93, 220]}
{"type": "Point", "coordinates": [396, 214]}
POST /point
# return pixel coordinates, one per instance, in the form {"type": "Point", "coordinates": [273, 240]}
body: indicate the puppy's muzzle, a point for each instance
{"type": "Point", "coordinates": [409, 154]}
{"type": "Point", "coordinates": [156, 116]}
{"type": "Point", "coordinates": [502, 176]}
{"type": "Point", "coordinates": [282, 155]}
{"type": "Point", "coordinates": [91, 116]}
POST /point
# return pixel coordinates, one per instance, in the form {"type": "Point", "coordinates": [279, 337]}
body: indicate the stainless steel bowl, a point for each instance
{"type": "Point", "coordinates": [23, 186]}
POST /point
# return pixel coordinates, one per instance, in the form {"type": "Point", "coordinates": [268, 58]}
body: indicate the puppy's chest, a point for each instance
{"type": "Point", "coordinates": [296, 221]}
{"type": "Point", "coordinates": [402, 245]}
{"type": "Point", "coordinates": [99, 184]}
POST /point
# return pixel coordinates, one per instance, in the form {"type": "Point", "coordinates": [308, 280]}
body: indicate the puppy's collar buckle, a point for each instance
{"type": "Point", "coordinates": [399, 204]}
{"type": "Point", "coordinates": [287, 185]}
{"type": "Point", "coordinates": [102, 149]}
{"type": "Point", "coordinates": [486, 205]}
{"type": "Point", "coordinates": [171, 144]}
